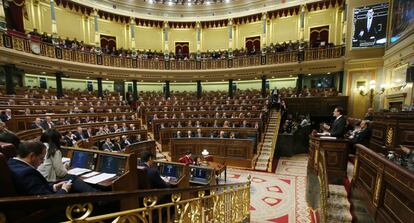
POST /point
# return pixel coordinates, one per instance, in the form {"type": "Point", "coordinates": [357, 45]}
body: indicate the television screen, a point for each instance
{"type": "Point", "coordinates": [200, 173]}
{"type": "Point", "coordinates": [402, 20]}
{"type": "Point", "coordinates": [81, 159]}
{"type": "Point", "coordinates": [370, 25]}
{"type": "Point", "coordinates": [169, 170]}
{"type": "Point", "coordinates": [111, 164]}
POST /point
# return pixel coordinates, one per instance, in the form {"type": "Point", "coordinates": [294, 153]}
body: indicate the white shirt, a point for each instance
{"type": "Point", "coordinates": [369, 23]}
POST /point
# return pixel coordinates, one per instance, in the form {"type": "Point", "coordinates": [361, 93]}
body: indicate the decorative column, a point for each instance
{"type": "Point", "coordinates": [344, 23]}
{"type": "Point", "coordinates": [132, 26]}
{"type": "Point", "coordinates": [165, 34]}
{"type": "Point", "coordinates": [199, 89]}
{"type": "Point", "coordinates": [198, 38]}
{"type": "Point", "coordinates": [264, 32]}
{"type": "Point", "coordinates": [302, 23]}
{"type": "Point", "coordinates": [100, 92]}
{"type": "Point", "coordinates": [53, 17]}
{"type": "Point", "coordinates": [59, 88]}
{"type": "Point", "coordinates": [3, 25]}
{"type": "Point", "coordinates": [95, 21]}
{"type": "Point", "coordinates": [231, 88]}
{"type": "Point", "coordinates": [263, 86]}
{"type": "Point", "coordinates": [9, 70]}
{"type": "Point", "coordinates": [299, 83]}
{"type": "Point", "coordinates": [135, 89]}
{"type": "Point", "coordinates": [167, 89]}
{"type": "Point", "coordinates": [230, 31]}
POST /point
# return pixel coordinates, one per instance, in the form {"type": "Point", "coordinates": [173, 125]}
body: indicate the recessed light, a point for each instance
{"type": "Point", "coordinates": [150, 1]}
{"type": "Point", "coordinates": [87, 77]}
{"type": "Point", "coordinates": [328, 73]}
{"type": "Point", "coordinates": [227, 1]}
{"type": "Point", "coordinates": [290, 75]}
{"type": "Point", "coordinates": [255, 78]}
{"type": "Point", "coordinates": [107, 79]}
{"type": "Point", "coordinates": [189, 3]}
{"type": "Point", "coordinates": [274, 76]}
{"type": "Point", "coordinates": [208, 3]}
{"type": "Point", "coordinates": [170, 3]}
{"type": "Point", "coordinates": [175, 81]}
{"type": "Point", "coordinates": [309, 74]}
{"type": "Point", "coordinates": [43, 72]}
{"type": "Point", "coordinates": [238, 79]}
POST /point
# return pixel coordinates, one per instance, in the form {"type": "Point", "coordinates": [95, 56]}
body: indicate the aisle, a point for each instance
{"type": "Point", "coordinates": [277, 197]}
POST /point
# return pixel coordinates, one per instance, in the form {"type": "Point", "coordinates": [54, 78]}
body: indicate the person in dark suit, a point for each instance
{"type": "Point", "coordinates": [6, 115]}
{"type": "Point", "coordinates": [108, 145]}
{"type": "Point", "coordinates": [37, 124]}
{"type": "Point", "coordinates": [362, 135]}
{"type": "Point", "coordinates": [156, 182]}
{"type": "Point", "coordinates": [338, 128]}
{"type": "Point", "coordinates": [26, 178]}
{"type": "Point", "coordinates": [370, 28]}
{"type": "Point", "coordinates": [125, 141]}
{"type": "Point", "coordinates": [79, 135]}
{"type": "Point", "coordinates": [48, 124]}
{"type": "Point", "coordinates": [8, 136]}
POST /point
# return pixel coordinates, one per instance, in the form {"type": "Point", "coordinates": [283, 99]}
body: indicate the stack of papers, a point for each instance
{"type": "Point", "coordinates": [65, 160]}
{"type": "Point", "coordinates": [327, 137]}
{"type": "Point", "coordinates": [78, 171]}
{"type": "Point", "coordinates": [99, 178]}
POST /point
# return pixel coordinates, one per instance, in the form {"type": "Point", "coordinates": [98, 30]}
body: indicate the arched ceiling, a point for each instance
{"type": "Point", "coordinates": [163, 10]}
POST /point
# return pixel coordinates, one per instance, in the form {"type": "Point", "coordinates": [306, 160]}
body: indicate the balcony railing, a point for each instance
{"type": "Point", "coordinates": [22, 43]}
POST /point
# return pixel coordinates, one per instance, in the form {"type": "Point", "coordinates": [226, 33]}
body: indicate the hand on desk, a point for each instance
{"type": "Point", "coordinates": [65, 185]}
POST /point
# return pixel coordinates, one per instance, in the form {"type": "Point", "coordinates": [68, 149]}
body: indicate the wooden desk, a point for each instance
{"type": "Point", "coordinates": [336, 151]}
{"type": "Point", "coordinates": [181, 174]}
{"type": "Point", "coordinates": [233, 152]}
{"type": "Point", "coordinates": [125, 181]}
{"type": "Point", "coordinates": [219, 169]}
{"type": "Point", "coordinates": [387, 189]}
{"type": "Point", "coordinates": [139, 147]}
{"type": "Point", "coordinates": [166, 134]}
{"type": "Point", "coordinates": [92, 140]}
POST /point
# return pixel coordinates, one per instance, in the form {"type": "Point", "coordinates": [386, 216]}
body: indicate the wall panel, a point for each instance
{"type": "Point", "coordinates": [148, 38]}
{"type": "Point", "coordinates": [215, 39]}
{"type": "Point", "coordinates": [182, 35]}
{"type": "Point", "coordinates": [285, 29]}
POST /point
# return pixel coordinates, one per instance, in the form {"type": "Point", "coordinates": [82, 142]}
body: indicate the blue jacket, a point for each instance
{"type": "Point", "coordinates": [154, 177]}
{"type": "Point", "coordinates": [29, 181]}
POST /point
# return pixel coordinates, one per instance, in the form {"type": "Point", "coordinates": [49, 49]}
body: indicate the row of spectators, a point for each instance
{"type": "Point", "coordinates": [180, 55]}
{"type": "Point", "coordinates": [215, 124]}
{"type": "Point", "coordinates": [217, 115]}
{"type": "Point", "coordinates": [210, 134]}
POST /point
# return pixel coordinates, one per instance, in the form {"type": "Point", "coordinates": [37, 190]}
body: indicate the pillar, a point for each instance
{"type": "Point", "coordinates": [96, 28]}
{"type": "Point", "coordinates": [167, 89]}
{"type": "Point", "coordinates": [341, 82]}
{"type": "Point", "coordinates": [199, 89]}
{"type": "Point", "coordinates": [344, 23]}
{"type": "Point", "coordinates": [230, 31]}
{"type": "Point", "coordinates": [3, 25]}
{"type": "Point", "coordinates": [132, 28]}
{"type": "Point", "coordinates": [135, 90]}
{"type": "Point", "coordinates": [53, 18]}
{"type": "Point", "coordinates": [264, 31]}
{"type": "Point", "coordinates": [9, 69]}
{"type": "Point", "coordinates": [198, 38]}
{"type": "Point", "coordinates": [100, 92]}
{"type": "Point", "coordinates": [299, 83]}
{"type": "Point", "coordinates": [165, 34]}
{"type": "Point", "coordinates": [231, 88]}
{"type": "Point", "coordinates": [263, 86]}
{"type": "Point", "coordinates": [302, 23]}
{"type": "Point", "coordinates": [59, 88]}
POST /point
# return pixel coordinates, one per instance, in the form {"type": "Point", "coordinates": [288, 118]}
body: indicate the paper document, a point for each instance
{"type": "Point", "coordinates": [65, 160]}
{"type": "Point", "coordinates": [327, 137]}
{"type": "Point", "coordinates": [78, 171]}
{"type": "Point", "coordinates": [91, 174]}
{"type": "Point", "coordinates": [323, 133]}
{"type": "Point", "coordinates": [99, 178]}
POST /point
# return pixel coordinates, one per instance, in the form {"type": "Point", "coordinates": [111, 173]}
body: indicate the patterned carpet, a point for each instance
{"type": "Point", "coordinates": [277, 197]}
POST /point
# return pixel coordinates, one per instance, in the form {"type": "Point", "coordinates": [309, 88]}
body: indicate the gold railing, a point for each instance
{"type": "Point", "coordinates": [20, 43]}
{"type": "Point", "coordinates": [228, 204]}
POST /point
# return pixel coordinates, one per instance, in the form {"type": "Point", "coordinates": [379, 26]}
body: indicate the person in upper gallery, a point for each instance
{"type": "Point", "coordinates": [156, 182]}
{"type": "Point", "coordinates": [27, 180]}
{"type": "Point", "coordinates": [338, 128]}
{"type": "Point", "coordinates": [369, 115]}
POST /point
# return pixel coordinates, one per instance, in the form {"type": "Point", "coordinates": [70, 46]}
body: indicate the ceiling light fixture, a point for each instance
{"type": "Point", "coordinates": [170, 3]}
{"type": "Point", "coordinates": [227, 1]}
{"type": "Point", "coordinates": [207, 2]}
{"type": "Point", "coordinates": [189, 3]}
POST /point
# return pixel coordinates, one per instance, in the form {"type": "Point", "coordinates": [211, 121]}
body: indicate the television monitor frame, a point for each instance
{"type": "Point", "coordinates": [207, 173]}
{"type": "Point", "coordinates": [382, 25]}
{"type": "Point", "coordinates": [118, 171]}
{"type": "Point", "coordinates": [92, 155]}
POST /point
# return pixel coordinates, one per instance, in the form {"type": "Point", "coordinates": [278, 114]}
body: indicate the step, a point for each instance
{"type": "Point", "coordinates": [338, 202]}
{"type": "Point", "coordinates": [337, 190]}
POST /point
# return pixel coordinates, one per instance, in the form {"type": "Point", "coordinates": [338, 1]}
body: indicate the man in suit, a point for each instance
{"type": "Point", "coordinates": [8, 136]}
{"type": "Point", "coordinates": [156, 182]}
{"type": "Point", "coordinates": [26, 178]}
{"type": "Point", "coordinates": [125, 142]}
{"type": "Point", "coordinates": [338, 128]}
{"type": "Point", "coordinates": [108, 145]}
{"type": "Point", "coordinates": [370, 28]}
{"type": "Point", "coordinates": [37, 124]}
{"type": "Point", "coordinates": [48, 124]}
{"type": "Point", "coordinates": [6, 115]}
{"type": "Point", "coordinates": [198, 134]}
{"type": "Point", "coordinates": [79, 134]}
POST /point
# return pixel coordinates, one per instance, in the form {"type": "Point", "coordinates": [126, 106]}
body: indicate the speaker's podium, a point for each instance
{"type": "Point", "coordinates": [336, 155]}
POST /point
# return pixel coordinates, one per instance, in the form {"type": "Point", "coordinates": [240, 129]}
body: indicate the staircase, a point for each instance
{"type": "Point", "coordinates": [159, 155]}
{"type": "Point", "coordinates": [267, 147]}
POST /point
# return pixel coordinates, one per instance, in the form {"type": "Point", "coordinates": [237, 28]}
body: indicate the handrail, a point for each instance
{"type": "Point", "coordinates": [24, 44]}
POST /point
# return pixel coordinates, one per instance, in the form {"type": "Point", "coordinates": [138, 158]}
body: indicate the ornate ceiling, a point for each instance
{"type": "Point", "coordinates": [197, 10]}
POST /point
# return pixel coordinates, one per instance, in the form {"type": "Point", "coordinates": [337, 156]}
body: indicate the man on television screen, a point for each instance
{"type": "Point", "coordinates": [369, 29]}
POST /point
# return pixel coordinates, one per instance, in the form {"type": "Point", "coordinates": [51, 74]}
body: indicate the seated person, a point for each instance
{"type": "Point", "coordinates": [187, 158]}
{"type": "Point", "coordinates": [156, 182]}
{"type": "Point", "coordinates": [26, 178]}
{"type": "Point", "coordinates": [8, 136]}
{"type": "Point", "coordinates": [362, 134]}
{"type": "Point", "coordinates": [338, 128]}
